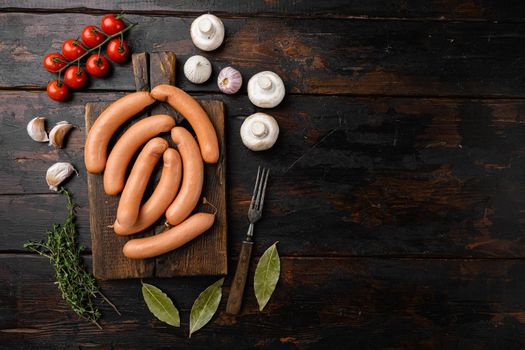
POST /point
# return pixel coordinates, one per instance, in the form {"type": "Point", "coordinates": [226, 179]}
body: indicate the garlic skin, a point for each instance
{"type": "Point", "coordinates": [57, 173]}
{"type": "Point", "coordinates": [259, 132]}
{"type": "Point", "coordinates": [36, 129]}
{"type": "Point", "coordinates": [266, 89]}
{"type": "Point", "coordinates": [58, 133]}
{"type": "Point", "coordinates": [207, 32]}
{"type": "Point", "coordinates": [229, 80]}
{"type": "Point", "coordinates": [197, 69]}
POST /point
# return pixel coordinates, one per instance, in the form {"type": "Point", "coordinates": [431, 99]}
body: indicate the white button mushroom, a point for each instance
{"type": "Point", "coordinates": [197, 69]}
{"type": "Point", "coordinates": [259, 131]}
{"type": "Point", "coordinates": [207, 32]}
{"type": "Point", "coordinates": [266, 89]}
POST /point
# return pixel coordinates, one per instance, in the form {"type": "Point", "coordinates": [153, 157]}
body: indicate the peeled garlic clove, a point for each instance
{"type": "Point", "coordinates": [266, 89]}
{"type": "Point", "coordinates": [59, 132]}
{"type": "Point", "coordinates": [229, 80]}
{"type": "Point", "coordinates": [57, 173]}
{"type": "Point", "coordinates": [197, 69]}
{"type": "Point", "coordinates": [36, 129]}
{"type": "Point", "coordinates": [207, 32]}
{"type": "Point", "coordinates": [259, 132]}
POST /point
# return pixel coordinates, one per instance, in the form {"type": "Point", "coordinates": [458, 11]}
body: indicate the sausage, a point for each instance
{"type": "Point", "coordinates": [95, 149]}
{"type": "Point", "coordinates": [121, 154]}
{"type": "Point", "coordinates": [162, 196]}
{"type": "Point", "coordinates": [129, 204]}
{"type": "Point", "coordinates": [177, 236]}
{"type": "Point", "coordinates": [192, 176]}
{"type": "Point", "coordinates": [192, 111]}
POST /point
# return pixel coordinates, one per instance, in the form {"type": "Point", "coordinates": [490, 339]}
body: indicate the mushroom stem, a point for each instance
{"type": "Point", "coordinates": [264, 83]}
{"type": "Point", "coordinates": [205, 26]}
{"type": "Point", "coordinates": [259, 129]}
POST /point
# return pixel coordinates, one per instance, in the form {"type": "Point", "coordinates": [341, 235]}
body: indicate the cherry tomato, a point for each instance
{"type": "Point", "coordinates": [118, 50]}
{"type": "Point", "coordinates": [92, 36]}
{"type": "Point", "coordinates": [97, 66]}
{"type": "Point", "coordinates": [75, 77]}
{"type": "Point", "coordinates": [71, 49]}
{"type": "Point", "coordinates": [112, 24]}
{"type": "Point", "coordinates": [54, 61]}
{"type": "Point", "coordinates": [57, 90]}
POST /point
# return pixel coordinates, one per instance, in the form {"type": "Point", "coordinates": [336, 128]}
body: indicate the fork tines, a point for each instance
{"type": "Point", "coordinates": [259, 189]}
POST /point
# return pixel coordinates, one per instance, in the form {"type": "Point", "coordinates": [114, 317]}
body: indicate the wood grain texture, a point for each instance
{"type": "Point", "coordinates": [206, 254]}
{"type": "Point", "coordinates": [350, 176]}
{"type": "Point", "coordinates": [490, 10]}
{"type": "Point", "coordinates": [313, 56]}
{"type": "Point", "coordinates": [319, 303]}
{"type": "Point", "coordinates": [106, 246]}
{"type": "Point", "coordinates": [162, 70]}
{"type": "Point", "coordinates": [140, 64]}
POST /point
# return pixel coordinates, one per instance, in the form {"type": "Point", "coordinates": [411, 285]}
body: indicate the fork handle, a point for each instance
{"type": "Point", "coordinates": [239, 281]}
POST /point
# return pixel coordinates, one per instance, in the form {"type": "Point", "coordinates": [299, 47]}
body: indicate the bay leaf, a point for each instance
{"type": "Point", "coordinates": [205, 306]}
{"type": "Point", "coordinates": [160, 305]}
{"type": "Point", "coordinates": [266, 275]}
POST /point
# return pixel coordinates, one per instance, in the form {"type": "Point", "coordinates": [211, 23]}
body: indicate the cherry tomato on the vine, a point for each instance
{"type": "Point", "coordinates": [97, 66]}
{"type": "Point", "coordinates": [54, 61]}
{"type": "Point", "coordinates": [117, 50]}
{"type": "Point", "coordinates": [112, 24]}
{"type": "Point", "coordinates": [57, 90]}
{"type": "Point", "coordinates": [92, 36]}
{"type": "Point", "coordinates": [75, 77]}
{"type": "Point", "coordinates": [72, 49]}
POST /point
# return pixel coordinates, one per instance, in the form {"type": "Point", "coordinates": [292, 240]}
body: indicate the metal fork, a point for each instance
{"type": "Point", "coordinates": [254, 214]}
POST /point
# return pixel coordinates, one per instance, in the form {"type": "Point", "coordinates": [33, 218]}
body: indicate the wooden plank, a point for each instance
{"type": "Point", "coordinates": [106, 246]}
{"type": "Point", "coordinates": [312, 56]}
{"type": "Point", "coordinates": [409, 9]}
{"type": "Point", "coordinates": [318, 303]}
{"type": "Point", "coordinates": [207, 254]}
{"type": "Point", "coordinates": [350, 176]}
{"type": "Point", "coordinates": [162, 71]}
{"type": "Point", "coordinates": [141, 71]}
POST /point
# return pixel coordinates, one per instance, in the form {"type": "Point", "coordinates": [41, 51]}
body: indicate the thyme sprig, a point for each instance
{"type": "Point", "coordinates": [78, 287]}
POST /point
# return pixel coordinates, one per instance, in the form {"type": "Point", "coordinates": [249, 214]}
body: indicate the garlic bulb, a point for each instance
{"type": "Point", "coordinates": [207, 32]}
{"type": "Point", "coordinates": [259, 132]}
{"type": "Point", "coordinates": [197, 69]}
{"type": "Point", "coordinates": [266, 89]}
{"type": "Point", "coordinates": [37, 130]}
{"type": "Point", "coordinates": [57, 173]}
{"type": "Point", "coordinates": [229, 80]}
{"type": "Point", "coordinates": [58, 133]}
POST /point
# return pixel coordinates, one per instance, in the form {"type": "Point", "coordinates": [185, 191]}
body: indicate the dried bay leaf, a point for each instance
{"type": "Point", "coordinates": [160, 305]}
{"type": "Point", "coordinates": [205, 306]}
{"type": "Point", "coordinates": [266, 275]}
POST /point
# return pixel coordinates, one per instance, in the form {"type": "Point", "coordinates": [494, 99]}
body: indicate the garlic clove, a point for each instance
{"type": "Point", "coordinates": [58, 133]}
{"type": "Point", "coordinates": [57, 173]}
{"type": "Point", "coordinates": [266, 89]}
{"type": "Point", "coordinates": [36, 129]}
{"type": "Point", "coordinates": [197, 69]}
{"type": "Point", "coordinates": [229, 80]}
{"type": "Point", "coordinates": [207, 32]}
{"type": "Point", "coordinates": [259, 132]}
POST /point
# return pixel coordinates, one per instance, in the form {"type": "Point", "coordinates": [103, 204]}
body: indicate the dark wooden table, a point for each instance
{"type": "Point", "coordinates": [397, 192]}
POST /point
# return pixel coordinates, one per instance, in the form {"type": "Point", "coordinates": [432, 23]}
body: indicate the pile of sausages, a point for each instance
{"type": "Point", "coordinates": [179, 188]}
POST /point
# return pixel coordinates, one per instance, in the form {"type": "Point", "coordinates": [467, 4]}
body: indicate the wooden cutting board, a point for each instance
{"type": "Point", "coordinates": [206, 255]}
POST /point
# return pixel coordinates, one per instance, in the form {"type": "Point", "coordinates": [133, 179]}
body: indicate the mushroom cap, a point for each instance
{"type": "Point", "coordinates": [197, 69]}
{"type": "Point", "coordinates": [259, 132]}
{"type": "Point", "coordinates": [207, 32]}
{"type": "Point", "coordinates": [266, 89]}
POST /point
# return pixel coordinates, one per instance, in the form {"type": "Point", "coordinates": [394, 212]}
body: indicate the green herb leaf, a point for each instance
{"type": "Point", "coordinates": [266, 275]}
{"type": "Point", "coordinates": [160, 305]}
{"type": "Point", "coordinates": [78, 287]}
{"type": "Point", "coordinates": [205, 306]}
